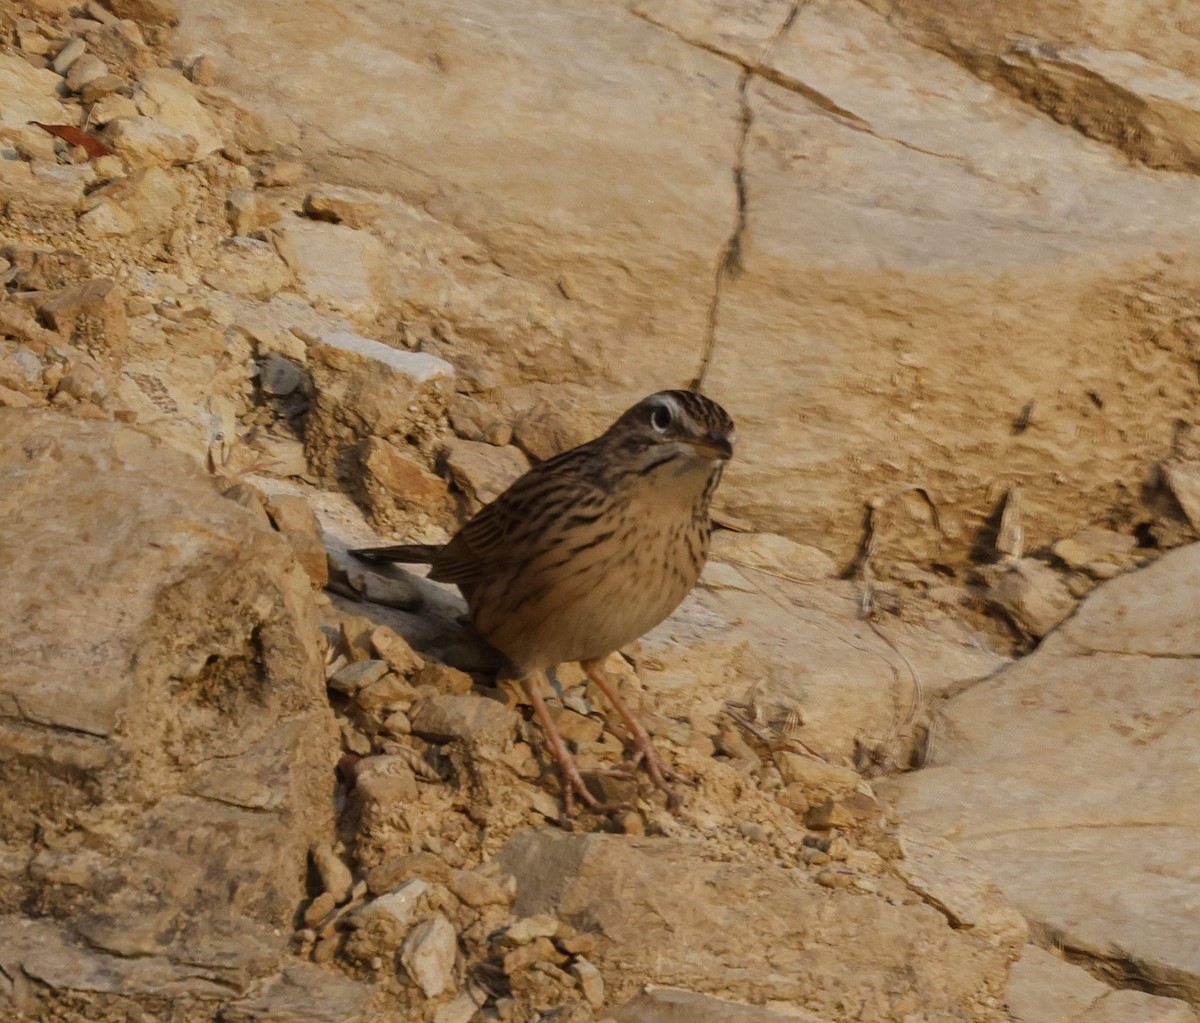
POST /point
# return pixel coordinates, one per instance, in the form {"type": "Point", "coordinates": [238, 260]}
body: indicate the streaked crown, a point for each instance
{"type": "Point", "coordinates": [679, 416]}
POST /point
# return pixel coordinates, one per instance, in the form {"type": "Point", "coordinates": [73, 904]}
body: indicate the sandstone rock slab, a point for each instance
{"type": "Point", "coordinates": [367, 389]}
{"type": "Point", "coordinates": [162, 701]}
{"type": "Point", "coordinates": [1067, 778]}
{"type": "Point", "coordinates": [749, 931]}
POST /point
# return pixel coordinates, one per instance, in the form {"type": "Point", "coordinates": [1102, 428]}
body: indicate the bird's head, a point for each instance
{"type": "Point", "coordinates": [675, 436]}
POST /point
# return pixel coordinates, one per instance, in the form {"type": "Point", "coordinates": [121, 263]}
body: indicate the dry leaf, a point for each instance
{"type": "Point", "coordinates": [77, 137]}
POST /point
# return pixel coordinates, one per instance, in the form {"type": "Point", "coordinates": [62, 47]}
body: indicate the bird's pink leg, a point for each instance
{"type": "Point", "coordinates": [572, 781]}
{"type": "Point", "coordinates": [643, 747]}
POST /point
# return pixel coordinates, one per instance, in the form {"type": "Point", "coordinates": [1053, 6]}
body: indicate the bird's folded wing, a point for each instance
{"type": "Point", "coordinates": [499, 536]}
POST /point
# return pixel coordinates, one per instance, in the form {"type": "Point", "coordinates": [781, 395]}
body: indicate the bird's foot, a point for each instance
{"type": "Point", "coordinates": [573, 785]}
{"type": "Point", "coordinates": [645, 755]}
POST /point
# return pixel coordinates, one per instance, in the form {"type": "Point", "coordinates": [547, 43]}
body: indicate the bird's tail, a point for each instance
{"type": "Point", "coordinates": [405, 553]}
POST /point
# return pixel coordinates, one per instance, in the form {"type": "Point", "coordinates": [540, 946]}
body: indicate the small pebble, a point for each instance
{"type": "Point", "coordinates": [590, 982]}
{"type": "Point", "coordinates": [68, 55]}
{"type": "Point", "coordinates": [319, 909]}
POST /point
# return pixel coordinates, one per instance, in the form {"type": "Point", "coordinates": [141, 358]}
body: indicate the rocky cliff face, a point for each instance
{"type": "Point", "coordinates": [275, 285]}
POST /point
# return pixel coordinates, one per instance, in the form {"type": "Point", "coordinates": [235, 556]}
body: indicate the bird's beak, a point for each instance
{"type": "Point", "coordinates": [713, 446]}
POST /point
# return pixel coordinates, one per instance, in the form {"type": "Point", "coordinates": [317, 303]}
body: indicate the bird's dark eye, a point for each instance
{"type": "Point", "coordinates": [660, 418]}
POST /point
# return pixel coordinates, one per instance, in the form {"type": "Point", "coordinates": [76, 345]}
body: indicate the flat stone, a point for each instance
{"type": "Point", "coordinates": [395, 649]}
{"type": "Point", "coordinates": [303, 993]}
{"type": "Point", "coordinates": [476, 889]}
{"type": "Point", "coordinates": [676, 1005]}
{"type": "Point", "coordinates": [189, 590]}
{"type": "Point", "coordinates": [88, 68]}
{"type": "Point", "coordinates": [1031, 593]}
{"type": "Point", "coordinates": [170, 99]}
{"type": "Point", "coordinates": [390, 691]}
{"type": "Point", "coordinates": [817, 936]}
{"type": "Point", "coordinates": [1042, 988]}
{"type": "Point", "coordinates": [357, 675]}
{"type": "Point", "coordinates": [460, 1010]}
{"type": "Point", "coordinates": [468, 718]}
{"type": "Point", "coordinates": [143, 141]}
{"type": "Point", "coordinates": [390, 916]}
{"type": "Point", "coordinates": [96, 89]}
{"type": "Point", "coordinates": [367, 389]}
{"type": "Point", "coordinates": [590, 982]}
{"type": "Point", "coordinates": [1138, 1007]}
{"type": "Point", "coordinates": [429, 954]}
{"type": "Point", "coordinates": [1102, 860]}
{"type": "Point", "coordinates": [424, 865]}
{"type": "Point", "coordinates": [340, 269]}
{"type": "Point", "coordinates": [482, 471]}
{"type": "Point", "coordinates": [71, 52]}
{"type": "Point", "coordinates": [30, 94]}
{"type": "Point", "coordinates": [294, 517]}
{"type": "Point", "coordinates": [947, 879]}
{"type": "Point", "coordinates": [530, 928]}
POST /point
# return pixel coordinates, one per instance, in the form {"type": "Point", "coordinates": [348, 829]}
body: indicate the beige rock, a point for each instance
{"type": "Point", "coordinates": [1119, 1006]}
{"type": "Point", "coordinates": [294, 517]}
{"type": "Point", "coordinates": [1042, 987]}
{"type": "Point", "coordinates": [88, 68]}
{"type": "Point", "coordinates": [769, 552]}
{"type": "Point", "coordinates": [96, 89]}
{"type": "Point", "coordinates": [357, 675]}
{"type": "Point", "coordinates": [477, 889]}
{"type": "Point", "coordinates": [301, 989]}
{"type": "Point", "coordinates": [701, 943]}
{"type": "Point", "coordinates": [280, 173]}
{"type": "Point", "coordinates": [424, 865]}
{"type": "Point", "coordinates": [214, 735]}
{"type": "Point", "coordinates": [30, 94]}
{"type": "Point", "coordinates": [111, 107]}
{"type": "Point", "coordinates": [340, 269]}
{"type": "Point", "coordinates": [152, 12]}
{"type": "Point", "coordinates": [382, 924]}
{"type": "Point", "coordinates": [93, 312]}
{"type": "Point", "coordinates": [145, 142]}
{"type": "Point", "coordinates": [170, 99]}
{"type": "Point", "coordinates": [461, 1010]}
{"type": "Point", "coordinates": [72, 50]}
{"type": "Point", "coordinates": [820, 780]}
{"type": "Point", "coordinates": [248, 267]}
{"type": "Point", "coordinates": [675, 1005]}
{"type": "Point", "coordinates": [394, 649]}
{"type": "Point", "coordinates": [1102, 860]}
{"type": "Point", "coordinates": [399, 491]}
{"type": "Point", "coordinates": [390, 691]}
{"type": "Point", "coordinates": [915, 246]}
{"type": "Point", "coordinates": [364, 389]}
{"type": "Point", "coordinates": [429, 953]}
{"type": "Point", "coordinates": [482, 471]}
{"type": "Point", "coordinates": [335, 876]}
{"type": "Point", "coordinates": [971, 901]}
{"type": "Point", "coordinates": [1031, 593]}
{"type": "Point", "coordinates": [469, 718]}
{"type": "Point", "coordinates": [353, 207]}
{"type": "Point", "coordinates": [546, 430]}
{"type": "Point", "coordinates": [386, 782]}
{"type": "Point", "coordinates": [591, 983]}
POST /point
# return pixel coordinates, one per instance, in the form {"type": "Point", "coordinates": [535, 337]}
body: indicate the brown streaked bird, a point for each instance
{"type": "Point", "coordinates": [588, 551]}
